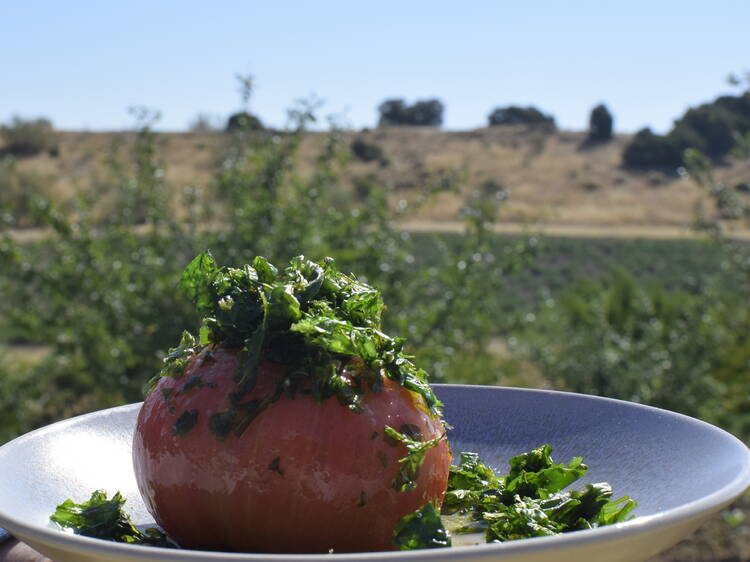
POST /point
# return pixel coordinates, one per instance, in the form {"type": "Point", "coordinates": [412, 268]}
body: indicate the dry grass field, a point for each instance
{"type": "Point", "coordinates": [553, 180]}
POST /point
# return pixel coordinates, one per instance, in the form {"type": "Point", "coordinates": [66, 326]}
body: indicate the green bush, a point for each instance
{"type": "Point", "coordinates": [17, 191]}
{"type": "Point", "coordinates": [713, 128]}
{"type": "Point", "coordinates": [426, 113]}
{"type": "Point", "coordinates": [516, 115]}
{"type": "Point", "coordinates": [243, 121]}
{"type": "Point", "coordinates": [28, 137]}
{"type": "Point", "coordinates": [600, 124]}
{"type": "Point", "coordinates": [648, 151]}
{"type": "Point", "coordinates": [100, 294]}
{"type": "Point", "coordinates": [674, 350]}
{"type": "Point", "coordinates": [368, 152]}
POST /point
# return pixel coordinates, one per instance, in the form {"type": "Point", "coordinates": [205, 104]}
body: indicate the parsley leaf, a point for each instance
{"type": "Point", "coordinates": [323, 324]}
{"type": "Point", "coordinates": [103, 518]}
{"type": "Point", "coordinates": [529, 501]}
{"type": "Point", "coordinates": [421, 529]}
{"type": "Point", "coordinates": [415, 453]}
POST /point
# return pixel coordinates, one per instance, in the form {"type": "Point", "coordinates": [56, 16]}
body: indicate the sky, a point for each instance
{"type": "Point", "coordinates": [82, 64]}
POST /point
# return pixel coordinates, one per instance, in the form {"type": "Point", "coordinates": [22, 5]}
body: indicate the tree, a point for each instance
{"type": "Point", "coordinates": [28, 137]}
{"type": "Point", "coordinates": [600, 124]}
{"type": "Point", "coordinates": [426, 113]}
{"type": "Point", "coordinates": [243, 121]}
{"type": "Point", "coordinates": [649, 150]}
{"type": "Point", "coordinates": [712, 128]}
{"type": "Point", "coordinates": [516, 115]}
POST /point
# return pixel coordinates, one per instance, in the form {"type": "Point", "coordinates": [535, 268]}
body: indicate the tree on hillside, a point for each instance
{"type": "Point", "coordinates": [427, 113]}
{"type": "Point", "coordinates": [600, 124]}
{"type": "Point", "coordinates": [711, 128]}
{"type": "Point", "coordinates": [649, 150]}
{"type": "Point", "coordinates": [516, 115]}
{"type": "Point", "coordinates": [244, 120]}
{"type": "Point", "coordinates": [28, 137]}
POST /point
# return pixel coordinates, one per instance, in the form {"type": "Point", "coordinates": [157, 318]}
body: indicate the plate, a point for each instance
{"type": "Point", "coordinates": [679, 469]}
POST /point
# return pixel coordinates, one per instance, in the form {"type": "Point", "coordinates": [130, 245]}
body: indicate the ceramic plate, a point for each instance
{"type": "Point", "coordinates": [680, 470]}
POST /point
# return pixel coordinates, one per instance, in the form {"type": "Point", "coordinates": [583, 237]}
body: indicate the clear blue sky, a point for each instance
{"type": "Point", "coordinates": [83, 63]}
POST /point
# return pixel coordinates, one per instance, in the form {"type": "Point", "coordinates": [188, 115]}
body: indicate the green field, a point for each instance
{"type": "Point", "coordinates": [557, 263]}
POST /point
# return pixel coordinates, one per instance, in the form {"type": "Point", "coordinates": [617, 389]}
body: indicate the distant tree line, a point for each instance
{"type": "Point", "coordinates": [516, 115]}
{"type": "Point", "coordinates": [429, 113]}
{"type": "Point", "coordinates": [711, 128]}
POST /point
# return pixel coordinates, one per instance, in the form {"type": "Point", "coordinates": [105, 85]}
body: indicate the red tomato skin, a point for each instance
{"type": "Point", "coordinates": [331, 487]}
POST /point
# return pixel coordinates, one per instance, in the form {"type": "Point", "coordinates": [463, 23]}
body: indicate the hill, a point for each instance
{"type": "Point", "coordinates": [551, 178]}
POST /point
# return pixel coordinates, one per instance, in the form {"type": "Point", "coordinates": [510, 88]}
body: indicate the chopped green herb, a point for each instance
{"type": "Point", "coordinates": [362, 499]}
{"type": "Point", "coordinates": [103, 518]}
{"type": "Point", "coordinates": [323, 324]}
{"type": "Point", "coordinates": [196, 381]}
{"type": "Point", "coordinates": [185, 422]}
{"type": "Point", "coordinates": [176, 360]}
{"type": "Point", "coordinates": [276, 466]}
{"type": "Point", "coordinates": [222, 423]}
{"type": "Point", "coordinates": [415, 454]}
{"type": "Point", "coordinates": [383, 458]}
{"type": "Point", "coordinates": [529, 501]}
{"type": "Point", "coordinates": [421, 529]}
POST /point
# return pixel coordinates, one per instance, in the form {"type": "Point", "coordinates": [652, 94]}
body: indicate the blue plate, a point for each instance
{"type": "Point", "coordinates": [680, 470]}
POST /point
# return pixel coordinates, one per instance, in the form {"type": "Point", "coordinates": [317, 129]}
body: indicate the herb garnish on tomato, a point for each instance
{"type": "Point", "coordinates": [309, 316]}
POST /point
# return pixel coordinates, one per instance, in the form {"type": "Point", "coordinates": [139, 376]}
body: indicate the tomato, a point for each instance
{"type": "Point", "coordinates": [304, 476]}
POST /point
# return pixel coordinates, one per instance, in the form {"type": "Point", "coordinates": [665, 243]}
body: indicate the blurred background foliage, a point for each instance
{"type": "Point", "coordinates": [89, 305]}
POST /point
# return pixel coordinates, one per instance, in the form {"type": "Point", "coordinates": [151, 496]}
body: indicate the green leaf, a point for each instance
{"type": "Point", "coordinates": [524, 518]}
{"type": "Point", "coordinates": [471, 484]}
{"type": "Point", "coordinates": [535, 475]}
{"type": "Point", "coordinates": [529, 501]}
{"type": "Point", "coordinates": [616, 511]}
{"type": "Point", "coordinates": [267, 273]}
{"type": "Point", "coordinates": [421, 529]}
{"type": "Point", "coordinates": [197, 278]}
{"type": "Point", "coordinates": [416, 449]}
{"type": "Point", "coordinates": [103, 518]}
{"type": "Point", "coordinates": [185, 423]}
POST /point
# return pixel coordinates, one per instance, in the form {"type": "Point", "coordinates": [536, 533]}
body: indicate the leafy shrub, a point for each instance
{"type": "Point", "coordinates": [17, 190]}
{"type": "Point", "coordinates": [648, 150]}
{"type": "Point", "coordinates": [600, 124]}
{"type": "Point", "coordinates": [427, 113]}
{"type": "Point", "coordinates": [243, 121]}
{"type": "Point", "coordinates": [673, 350]}
{"type": "Point", "coordinates": [100, 295]}
{"type": "Point", "coordinates": [28, 137]}
{"type": "Point", "coordinates": [709, 128]}
{"type": "Point", "coordinates": [516, 115]}
{"type": "Point", "coordinates": [368, 151]}
{"type": "Point", "coordinates": [713, 128]}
